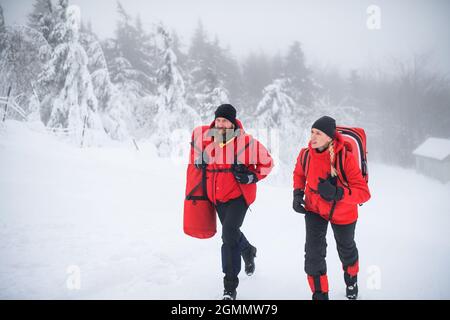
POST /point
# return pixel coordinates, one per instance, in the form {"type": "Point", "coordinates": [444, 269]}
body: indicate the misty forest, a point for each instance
{"type": "Point", "coordinates": [145, 83]}
{"type": "Point", "coordinates": [98, 102]}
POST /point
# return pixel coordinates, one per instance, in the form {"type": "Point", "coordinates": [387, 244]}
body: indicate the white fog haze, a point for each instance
{"type": "Point", "coordinates": [98, 101]}
{"type": "Point", "coordinates": [332, 32]}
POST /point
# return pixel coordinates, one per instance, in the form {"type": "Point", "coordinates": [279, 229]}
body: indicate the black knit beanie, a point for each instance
{"type": "Point", "coordinates": [226, 111]}
{"type": "Point", "coordinates": [327, 125]}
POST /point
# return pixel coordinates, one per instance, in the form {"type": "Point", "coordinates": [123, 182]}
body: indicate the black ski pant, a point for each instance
{"type": "Point", "coordinates": [316, 244]}
{"type": "Point", "coordinates": [231, 215]}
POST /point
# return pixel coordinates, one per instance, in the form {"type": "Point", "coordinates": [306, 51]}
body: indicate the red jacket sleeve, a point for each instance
{"type": "Point", "coordinates": [358, 190]}
{"type": "Point", "coordinates": [264, 162]}
{"type": "Point", "coordinates": [299, 175]}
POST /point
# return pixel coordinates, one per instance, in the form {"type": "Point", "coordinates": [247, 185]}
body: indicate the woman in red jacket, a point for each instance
{"type": "Point", "coordinates": [320, 194]}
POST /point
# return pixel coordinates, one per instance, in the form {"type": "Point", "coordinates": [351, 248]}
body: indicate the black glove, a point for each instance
{"type": "Point", "coordinates": [298, 201]}
{"type": "Point", "coordinates": [243, 175]}
{"type": "Point", "coordinates": [328, 189]}
{"type": "Point", "coordinates": [200, 163]}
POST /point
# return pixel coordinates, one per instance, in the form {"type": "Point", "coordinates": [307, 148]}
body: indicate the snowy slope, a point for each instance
{"type": "Point", "coordinates": [117, 214]}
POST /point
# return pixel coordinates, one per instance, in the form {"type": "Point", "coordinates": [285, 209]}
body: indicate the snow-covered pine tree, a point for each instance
{"type": "Point", "coordinates": [345, 114]}
{"type": "Point", "coordinates": [146, 56]}
{"type": "Point", "coordinates": [2, 21]}
{"type": "Point", "coordinates": [21, 50]}
{"type": "Point", "coordinates": [196, 64]}
{"type": "Point", "coordinates": [276, 111]}
{"type": "Point", "coordinates": [122, 73]}
{"type": "Point", "coordinates": [216, 93]}
{"type": "Point", "coordinates": [2, 31]}
{"type": "Point", "coordinates": [256, 74]}
{"type": "Point", "coordinates": [277, 66]}
{"type": "Point", "coordinates": [71, 99]}
{"type": "Point", "coordinates": [132, 54]}
{"type": "Point", "coordinates": [3, 43]}
{"type": "Point", "coordinates": [302, 85]}
{"type": "Point", "coordinates": [59, 32]}
{"type": "Point", "coordinates": [114, 114]}
{"type": "Point", "coordinates": [276, 106]}
{"type": "Point", "coordinates": [206, 88]}
{"type": "Point", "coordinates": [210, 100]}
{"type": "Point", "coordinates": [180, 52]}
{"type": "Point", "coordinates": [41, 18]}
{"type": "Point", "coordinates": [132, 59]}
{"type": "Point", "coordinates": [173, 112]}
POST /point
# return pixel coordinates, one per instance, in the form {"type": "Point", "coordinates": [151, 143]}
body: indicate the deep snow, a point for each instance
{"type": "Point", "coordinates": [116, 214]}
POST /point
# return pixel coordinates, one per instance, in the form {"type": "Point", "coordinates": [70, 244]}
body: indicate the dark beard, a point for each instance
{"type": "Point", "coordinates": [220, 137]}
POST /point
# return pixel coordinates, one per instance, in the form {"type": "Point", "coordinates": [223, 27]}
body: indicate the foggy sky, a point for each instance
{"type": "Point", "coordinates": [331, 32]}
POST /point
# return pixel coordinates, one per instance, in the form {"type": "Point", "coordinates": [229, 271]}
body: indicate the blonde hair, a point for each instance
{"type": "Point", "coordinates": [332, 156]}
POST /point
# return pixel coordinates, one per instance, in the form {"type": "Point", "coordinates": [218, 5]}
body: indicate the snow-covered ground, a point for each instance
{"type": "Point", "coordinates": [116, 215]}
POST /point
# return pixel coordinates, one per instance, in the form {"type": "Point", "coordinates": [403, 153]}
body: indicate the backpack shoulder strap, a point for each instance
{"type": "Point", "coordinates": [341, 159]}
{"type": "Point", "coordinates": [238, 153]}
{"type": "Point", "coordinates": [305, 161]}
{"type": "Point", "coordinates": [341, 164]}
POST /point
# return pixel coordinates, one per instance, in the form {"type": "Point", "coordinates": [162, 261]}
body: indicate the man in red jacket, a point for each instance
{"type": "Point", "coordinates": [320, 194]}
{"type": "Point", "coordinates": [235, 162]}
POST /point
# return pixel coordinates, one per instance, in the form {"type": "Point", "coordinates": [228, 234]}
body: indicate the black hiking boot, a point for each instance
{"type": "Point", "coordinates": [319, 295]}
{"type": "Point", "coordinates": [229, 295]}
{"type": "Point", "coordinates": [249, 255]}
{"type": "Point", "coordinates": [351, 291]}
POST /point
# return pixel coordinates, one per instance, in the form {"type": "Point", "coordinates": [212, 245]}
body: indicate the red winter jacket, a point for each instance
{"type": "Point", "coordinates": [346, 210]}
{"type": "Point", "coordinates": [221, 183]}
